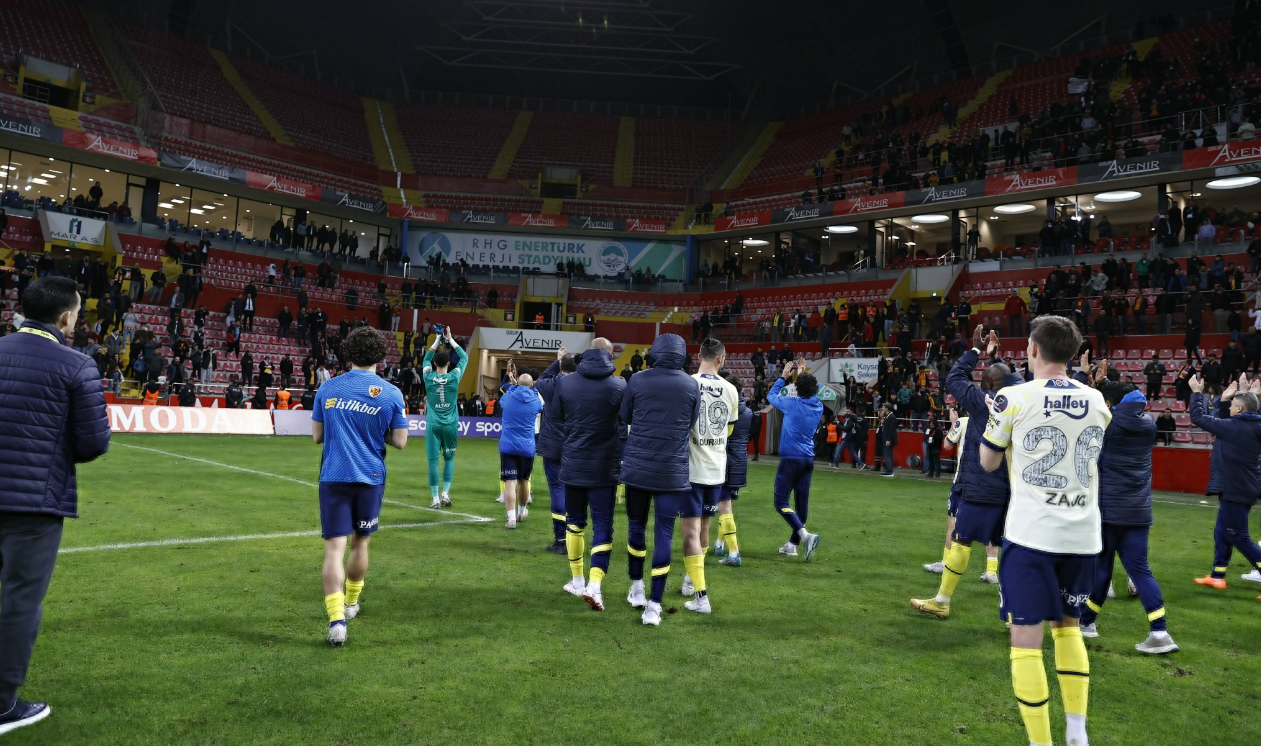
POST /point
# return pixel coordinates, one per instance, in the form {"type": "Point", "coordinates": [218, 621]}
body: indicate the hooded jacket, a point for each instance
{"type": "Point", "coordinates": [1125, 464]}
{"type": "Point", "coordinates": [52, 416]}
{"type": "Point", "coordinates": [658, 408]}
{"type": "Point", "coordinates": [801, 419]}
{"type": "Point", "coordinates": [588, 404]}
{"type": "Point", "coordinates": [976, 484]}
{"type": "Point", "coordinates": [738, 449]}
{"type": "Point", "coordinates": [551, 432]}
{"type": "Point", "coordinates": [521, 406]}
{"type": "Point", "coordinates": [1234, 468]}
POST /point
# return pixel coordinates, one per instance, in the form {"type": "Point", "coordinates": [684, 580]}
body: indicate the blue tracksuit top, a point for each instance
{"type": "Point", "coordinates": [801, 419]}
{"type": "Point", "coordinates": [521, 406]}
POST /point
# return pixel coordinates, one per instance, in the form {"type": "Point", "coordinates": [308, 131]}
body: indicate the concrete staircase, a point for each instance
{"type": "Point", "coordinates": [1119, 85]}
{"type": "Point", "coordinates": [983, 94]}
{"type": "Point", "coordinates": [238, 84]}
{"type": "Point", "coordinates": [508, 152]}
{"type": "Point", "coordinates": [754, 156]}
{"type": "Point", "coordinates": [624, 161]}
{"type": "Point", "coordinates": [388, 148]}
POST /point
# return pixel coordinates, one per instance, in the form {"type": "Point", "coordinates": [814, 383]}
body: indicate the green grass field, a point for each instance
{"type": "Point", "coordinates": [466, 637]}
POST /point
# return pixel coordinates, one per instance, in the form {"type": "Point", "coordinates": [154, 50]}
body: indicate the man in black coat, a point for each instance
{"type": "Point", "coordinates": [52, 416]}
{"type": "Point", "coordinates": [1125, 505]}
{"type": "Point", "coordinates": [1232, 361]}
{"type": "Point", "coordinates": [1155, 373]}
{"type": "Point", "coordinates": [888, 438]}
{"type": "Point", "coordinates": [1252, 351]}
{"type": "Point", "coordinates": [587, 406]}
{"type": "Point", "coordinates": [234, 397]}
{"type": "Point", "coordinates": [1234, 475]}
{"type": "Point", "coordinates": [659, 406]}
{"type": "Point", "coordinates": [284, 320]}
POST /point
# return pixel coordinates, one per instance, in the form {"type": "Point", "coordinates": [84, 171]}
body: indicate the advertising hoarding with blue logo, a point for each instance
{"type": "Point", "coordinates": [599, 256]}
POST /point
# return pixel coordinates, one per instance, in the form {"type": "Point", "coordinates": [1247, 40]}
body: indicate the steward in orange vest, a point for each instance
{"type": "Point", "coordinates": [151, 391]}
{"type": "Point", "coordinates": [282, 399]}
{"type": "Point", "coordinates": [831, 432]}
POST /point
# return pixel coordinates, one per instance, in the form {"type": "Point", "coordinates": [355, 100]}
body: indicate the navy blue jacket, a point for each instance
{"type": "Point", "coordinates": [587, 407]}
{"type": "Point", "coordinates": [1125, 464]}
{"type": "Point", "coordinates": [52, 416]}
{"type": "Point", "coordinates": [738, 449]}
{"type": "Point", "coordinates": [658, 409]}
{"type": "Point", "coordinates": [888, 431]}
{"type": "Point", "coordinates": [976, 484]}
{"type": "Point", "coordinates": [551, 432]}
{"type": "Point", "coordinates": [1234, 468]}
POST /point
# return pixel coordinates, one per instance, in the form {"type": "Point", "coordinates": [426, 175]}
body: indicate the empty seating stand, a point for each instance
{"type": "Point", "coordinates": [55, 30]}
{"type": "Point", "coordinates": [189, 80]}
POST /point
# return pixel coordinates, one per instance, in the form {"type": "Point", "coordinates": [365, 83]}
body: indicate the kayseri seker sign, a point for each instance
{"type": "Point", "coordinates": [863, 369]}
{"type": "Point", "coordinates": [74, 230]}
{"type": "Point", "coordinates": [527, 340]}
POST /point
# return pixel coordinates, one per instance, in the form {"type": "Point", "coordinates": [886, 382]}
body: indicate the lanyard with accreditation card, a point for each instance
{"type": "Point", "coordinates": [40, 332]}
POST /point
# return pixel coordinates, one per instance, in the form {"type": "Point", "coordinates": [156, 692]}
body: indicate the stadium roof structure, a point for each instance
{"type": "Point", "coordinates": [735, 55]}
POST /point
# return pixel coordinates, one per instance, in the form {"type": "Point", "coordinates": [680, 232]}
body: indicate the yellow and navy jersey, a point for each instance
{"type": "Point", "coordinates": [358, 409]}
{"type": "Point", "coordinates": [958, 431]}
{"type": "Point", "coordinates": [1054, 430]}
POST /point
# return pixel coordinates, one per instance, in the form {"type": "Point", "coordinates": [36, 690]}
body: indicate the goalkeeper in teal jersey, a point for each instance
{"type": "Point", "coordinates": [442, 372]}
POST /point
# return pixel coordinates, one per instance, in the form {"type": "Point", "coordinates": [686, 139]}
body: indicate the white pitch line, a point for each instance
{"type": "Point", "coordinates": [249, 537]}
{"type": "Point", "coordinates": [473, 518]}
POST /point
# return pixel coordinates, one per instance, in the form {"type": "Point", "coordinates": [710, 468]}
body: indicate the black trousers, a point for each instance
{"type": "Point", "coordinates": [28, 552]}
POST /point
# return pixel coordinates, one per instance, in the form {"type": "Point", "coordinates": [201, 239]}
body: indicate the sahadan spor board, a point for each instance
{"type": "Point", "coordinates": [598, 256]}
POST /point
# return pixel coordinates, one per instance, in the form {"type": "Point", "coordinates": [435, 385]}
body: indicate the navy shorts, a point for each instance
{"type": "Point", "coordinates": [702, 502]}
{"type": "Point", "coordinates": [952, 502]}
{"type": "Point", "coordinates": [512, 466]}
{"type": "Point", "coordinates": [1036, 587]}
{"type": "Point", "coordinates": [349, 507]}
{"type": "Point", "coordinates": [729, 493]}
{"type": "Point", "coordinates": [979, 523]}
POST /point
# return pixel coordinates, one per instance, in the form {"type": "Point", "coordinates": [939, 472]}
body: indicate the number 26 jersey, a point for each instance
{"type": "Point", "coordinates": [1054, 428]}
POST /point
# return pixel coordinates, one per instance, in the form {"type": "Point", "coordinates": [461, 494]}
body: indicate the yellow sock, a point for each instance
{"type": "Point", "coordinates": [991, 565]}
{"type": "Point", "coordinates": [695, 566]}
{"type": "Point", "coordinates": [1073, 667]}
{"type": "Point", "coordinates": [597, 575]}
{"type": "Point", "coordinates": [1028, 679]}
{"type": "Point", "coordinates": [335, 605]}
{"type": "Point", "coordinates": [956, 564]}
{"type": "Point", "coordinates": [575, 543]}
{"type": "Point", "coordinates": [727, 530]}
{"type": "Point", "coordinates": [353, 589]}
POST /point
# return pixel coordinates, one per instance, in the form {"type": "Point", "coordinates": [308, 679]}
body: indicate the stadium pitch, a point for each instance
{"type": "Point", "coordinates": [186, 609]}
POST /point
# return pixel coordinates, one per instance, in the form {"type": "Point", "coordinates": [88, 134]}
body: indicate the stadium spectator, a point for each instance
{"type": "Point", "coordinates": [888, 437]}
{"type": "Point", "coordinates": [53, 417]}
{"type": "Point", "coordinates": [1154, 373]}
{"type": "Point", "coordinates": [1234, 470]}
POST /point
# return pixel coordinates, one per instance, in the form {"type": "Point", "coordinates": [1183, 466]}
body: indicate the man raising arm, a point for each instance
{"type": "Point", "coordinates": [442, 372]}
